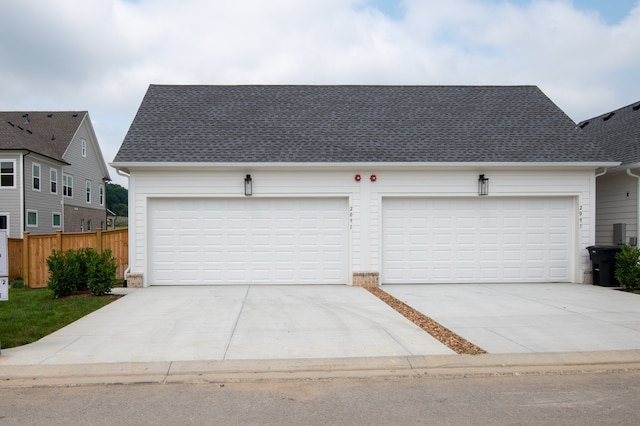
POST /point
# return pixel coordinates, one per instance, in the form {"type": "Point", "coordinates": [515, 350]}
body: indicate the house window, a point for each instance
{"type": "Point", "coordinates": [89, 225]}
{"type": "Point", "coordinates": [81, 225]}
{"type": "Point", "coordinates": [54, 181]}
{"type": "Point", "coordinates": [35, 168]}
{"type": "Point", "coordinates": [4, 222]}
{"type": "Point", "coordinates": [88, 191]}
{"type": "Point", "coordinates": [84, 148]}
{"type": "Point", "coordinates": [56, 220]}
{"type": "Point", "coordinates": [101, 194]}
{"type": "Point", "coordinates": [32, 218]}
{"type": "Point", "coordinates": [7, 174]}
{"type": "Point", "coordinates": [67, 185]}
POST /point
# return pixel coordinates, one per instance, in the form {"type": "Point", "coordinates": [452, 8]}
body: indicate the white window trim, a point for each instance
{"type": "Point", "coordinates": [87, 192]}
{"type": "Point", "coordinates": [52, 180]}
{"type": "Point", "coordinates": [53, 224]}
{"type": "Point", "coordinates": [68, 177]}
{"type": "Point", "coordinates": [33, 177]}
{"type": "Point", "coordinates": [101, 194]}
{"type": "Point", "coordinates": [84, 148]}
{"type": "Point", "coordinates": [81, 225]}
{"type": "Point", "coordinates": [15, 174]}
{"type": "Point", "coordinates": [8, 216]}
{"type": "Point", "coordinates": [32, 225]}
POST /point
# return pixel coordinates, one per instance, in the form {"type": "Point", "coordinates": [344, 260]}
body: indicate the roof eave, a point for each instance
{"type": "Point", "coordinates": [127, 166]}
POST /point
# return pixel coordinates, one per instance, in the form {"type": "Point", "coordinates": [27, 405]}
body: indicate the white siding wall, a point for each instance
{"type": "Point", "coordinates": [617, 203]}
{"type": "Point", "coordinates": [365, 198]}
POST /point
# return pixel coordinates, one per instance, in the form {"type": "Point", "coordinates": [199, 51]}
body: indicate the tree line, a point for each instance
{"type": "Point", "coordinates": [118, 199]}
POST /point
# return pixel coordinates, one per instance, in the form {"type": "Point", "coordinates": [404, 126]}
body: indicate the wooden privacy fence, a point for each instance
{"type": "Point", "coordinates": [28, 256]}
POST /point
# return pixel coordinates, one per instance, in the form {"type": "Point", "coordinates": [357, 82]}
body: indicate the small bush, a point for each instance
{"type": "Point", "coordinates": [17, 282]}
{"type": "Point", "coordinates": [627, 267]}
{"type": "Point", "coordinates": [102, 269]}
{"type": "Point", "coordinates": [62, 274]}
{"type": "Point", "coordinates": [81, 270]}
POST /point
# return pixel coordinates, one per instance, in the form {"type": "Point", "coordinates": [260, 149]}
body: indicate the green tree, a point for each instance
{"type": "Point", "coordinates": [117, 199]}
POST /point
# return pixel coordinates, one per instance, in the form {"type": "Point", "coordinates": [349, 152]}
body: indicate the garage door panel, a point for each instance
{"type": "Point", "coordinates": [484, 239]}
{"type": "Point", "coordinates": [248, 241]}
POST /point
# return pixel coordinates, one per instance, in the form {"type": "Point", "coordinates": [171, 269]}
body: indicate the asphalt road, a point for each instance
{"type": "Point", "coordinates": [576, 399]}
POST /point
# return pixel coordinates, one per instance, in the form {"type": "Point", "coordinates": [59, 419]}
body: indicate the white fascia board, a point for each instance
{"type": "Point", "coordinates": [127, 166]}
{"type": "Point", "coordinates": [619, 168]}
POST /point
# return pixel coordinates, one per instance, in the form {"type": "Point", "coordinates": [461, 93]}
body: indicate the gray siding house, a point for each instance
{"type": "Point", "coordinates": [52, 174]}
{"type": "Point", "coordinates": [357, 185]}
{"type": "Point", "coordinates": [617, 188]}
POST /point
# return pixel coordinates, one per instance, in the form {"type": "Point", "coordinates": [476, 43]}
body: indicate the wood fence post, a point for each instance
{"type": "Point", "coordinates": [58, 245]}
{"type": "Point", "coordinates": [25, 258]}
{"type": "Point", "coordinates": [99, 240]}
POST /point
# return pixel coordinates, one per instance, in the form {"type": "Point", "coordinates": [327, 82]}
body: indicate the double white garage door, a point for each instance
{"type": "Point", "coordinates": [306, 241]}
{"type": "Point", "coordinates": [467, 240]}
{"type": "Point", "coordinates": [248, 241]}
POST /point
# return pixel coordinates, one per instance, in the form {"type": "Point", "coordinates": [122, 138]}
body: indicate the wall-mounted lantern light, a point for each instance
{"type": "Point", "coordinates": [248, 185]}
{"type": "Point", "coordinates": [483, 185]}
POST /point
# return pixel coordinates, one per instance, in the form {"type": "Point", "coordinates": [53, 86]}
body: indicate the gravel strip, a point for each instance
{"type": "Point", "coordinates": [442, 334]}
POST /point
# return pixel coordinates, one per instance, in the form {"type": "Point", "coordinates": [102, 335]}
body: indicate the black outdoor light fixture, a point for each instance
{"type": "Point", "coordinates": [483, 185]}
{"type": "Point", "coordinates": [248, 185]}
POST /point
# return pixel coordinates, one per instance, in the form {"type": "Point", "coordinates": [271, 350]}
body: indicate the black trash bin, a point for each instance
{"type": "Point", "coordinates": [603, 262]}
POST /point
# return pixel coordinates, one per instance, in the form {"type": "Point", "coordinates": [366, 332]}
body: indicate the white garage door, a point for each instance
{"type": "Point", "coordinates": [442, 240]}
{"type": "Point", "coordinates": [248, 241]}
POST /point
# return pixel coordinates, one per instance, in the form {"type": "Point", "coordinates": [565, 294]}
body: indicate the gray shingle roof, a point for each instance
{"type": "Point", "coordinates": [267, 124]}
{"type": "Point", "coordinates": [46, 133]}
{"type": "Point", "coordinates": [617, 132]}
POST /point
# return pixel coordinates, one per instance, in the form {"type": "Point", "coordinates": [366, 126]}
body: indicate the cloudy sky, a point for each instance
{"type": "Point", "coordinates": [101, 55]}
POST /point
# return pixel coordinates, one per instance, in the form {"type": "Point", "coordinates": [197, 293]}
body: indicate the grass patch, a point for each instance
{"type": "Point", "coordinates": [32, 313]}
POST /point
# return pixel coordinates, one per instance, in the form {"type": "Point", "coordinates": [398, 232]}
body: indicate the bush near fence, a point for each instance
{"type": "Point", "coordinates": [28, 256]}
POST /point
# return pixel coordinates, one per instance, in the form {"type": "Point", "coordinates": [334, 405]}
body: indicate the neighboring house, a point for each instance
{"type": "Point", "coordinates": [359, 185]}
{"type": "Point", "coordinates": [617, 188]}
{"type": "Point", "coordinates": [52, 175]}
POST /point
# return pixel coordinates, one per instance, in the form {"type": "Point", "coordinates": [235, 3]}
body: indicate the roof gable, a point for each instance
{"type": "Point", "coordinates": [617, 132]}
{"type": "Point", "coordinates": [47, 133]}
{"type": "Point", "coordinates": [298, 124]}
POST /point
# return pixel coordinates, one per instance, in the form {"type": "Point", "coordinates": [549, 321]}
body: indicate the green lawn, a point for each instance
{"type": "Point", "coordinates": [31, 314]}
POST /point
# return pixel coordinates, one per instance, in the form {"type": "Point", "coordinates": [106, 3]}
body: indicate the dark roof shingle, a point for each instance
{"type": "Point", "coordinates": [46, 133]}
{"type": "Point", "coordinates": [301, 124]}
{"type": "Point", "coordinates": [617, 132]}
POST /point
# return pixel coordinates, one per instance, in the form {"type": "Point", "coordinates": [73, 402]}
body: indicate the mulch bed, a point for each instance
{"type": "Point", "coordinates": [442, 334]}
{"type": "Point", "coordinates": [86, 293]}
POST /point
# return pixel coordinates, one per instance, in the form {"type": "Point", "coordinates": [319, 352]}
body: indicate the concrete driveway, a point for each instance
{"type": "Point", "coordinates": [160, 324]}
{"type": "Point", "coordinates": [232, 323]}
{"type": "Point", "coordinates": [525, 318]}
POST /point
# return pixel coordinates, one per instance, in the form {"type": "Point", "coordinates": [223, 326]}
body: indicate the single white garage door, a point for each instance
{"type": "Point", "coordinates": [248, 241]}
{"type": "Point", "coordinates": [468, 240]}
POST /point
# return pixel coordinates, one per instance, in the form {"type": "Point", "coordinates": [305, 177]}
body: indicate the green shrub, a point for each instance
{"type": "Point", "coordinates": [17, 282]}
{"type": "Point", "coordinates": [62, 274]}
{"type": "Point", "coordinates": [627, 267]}
{"type": "Point", "coordinates": [80, 270]}
{"type": "Point", "coordinates": [102, 269]}
{"type": "Point", "coordinates": [82, 259]}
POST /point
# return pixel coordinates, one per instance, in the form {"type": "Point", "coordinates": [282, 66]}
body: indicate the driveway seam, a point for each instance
{"type": "Point", "coordinates": [235, 324]}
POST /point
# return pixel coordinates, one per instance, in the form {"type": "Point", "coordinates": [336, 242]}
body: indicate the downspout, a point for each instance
{"type": "Point", "coordinates": [637, 206]}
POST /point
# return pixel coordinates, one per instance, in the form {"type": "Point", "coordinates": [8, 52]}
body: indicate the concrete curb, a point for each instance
{"type": "Point", "coordinates": [301, 369]}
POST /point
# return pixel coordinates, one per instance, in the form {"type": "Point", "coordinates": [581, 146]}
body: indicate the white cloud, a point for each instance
{"type": "Point", "coordinates": [102, 55]}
